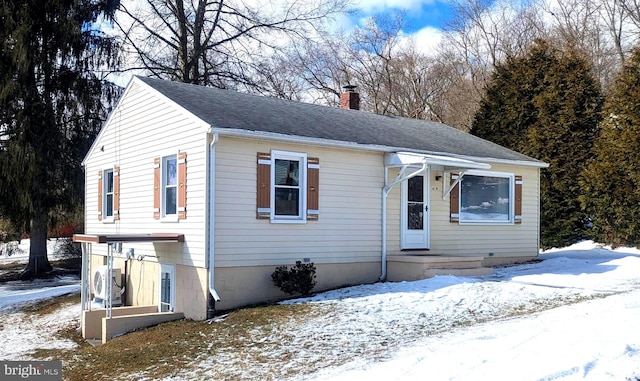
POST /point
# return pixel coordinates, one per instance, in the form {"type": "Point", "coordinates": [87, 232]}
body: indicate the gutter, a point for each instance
{"type": "Point", "coordinates": [210, 221]}
{"type": "Point", "coordinates": [235, 132]}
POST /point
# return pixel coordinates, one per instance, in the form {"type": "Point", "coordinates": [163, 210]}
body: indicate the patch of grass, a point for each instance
{"type": "Point", "coordinates": [267, 342]}
{"type": "Point", "coordinates": [8, 274]}
{"type": "Point", "coordinates": [68, 263]}
{"type": "Point", "coordinates": [12, 266]}
{"type": "Point", "coordinates": [66, 266]}
{"type": "Point", "coordinates": [170, 348]}
{"type": "Point", "coordinates": [518, 263]}
{"type": "Point", "coordinates": [47, 306]}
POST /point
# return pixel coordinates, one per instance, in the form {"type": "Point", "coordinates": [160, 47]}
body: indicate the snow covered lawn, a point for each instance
{"type": "Point", "coordinates": [487, 328]}
{"type": "Point", "coordinates": [573, 316]}
{"type": "Point", "coordinates": [18, 252]}
{"type": "Point", "coordinates": [22, 333]}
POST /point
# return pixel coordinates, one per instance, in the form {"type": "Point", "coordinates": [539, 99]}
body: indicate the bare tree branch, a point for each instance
{"type": "Point", "coordinates": [217, 42]}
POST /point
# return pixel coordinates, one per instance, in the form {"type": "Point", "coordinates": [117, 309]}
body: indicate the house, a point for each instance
{"type": "Point", "coordinates": [195, 195]}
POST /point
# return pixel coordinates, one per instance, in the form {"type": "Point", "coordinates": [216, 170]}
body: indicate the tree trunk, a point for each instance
{"type": "Point", "coordinates": [38, 261]}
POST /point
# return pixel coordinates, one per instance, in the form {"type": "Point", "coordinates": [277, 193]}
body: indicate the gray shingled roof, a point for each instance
{"type": "Point", "coordinates": [229, 109]}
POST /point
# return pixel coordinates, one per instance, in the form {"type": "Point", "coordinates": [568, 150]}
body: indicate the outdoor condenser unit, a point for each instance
{"type": "Point", "coordinates": [100, 280]}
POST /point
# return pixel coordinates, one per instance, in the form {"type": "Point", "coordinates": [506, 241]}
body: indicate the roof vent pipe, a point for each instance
{"type": "Point", "coordinates": [350, 99]}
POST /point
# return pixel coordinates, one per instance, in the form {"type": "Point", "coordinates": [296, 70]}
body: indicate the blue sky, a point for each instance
{"type": "Point", "coordinates": [425, 18]}
{"type": "Point", "coordinates": [418, 13]}
{"type": "Point", "coordinates": [434, 14]}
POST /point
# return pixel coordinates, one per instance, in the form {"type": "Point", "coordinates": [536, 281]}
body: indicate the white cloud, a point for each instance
{"type": "Point", "coordinates": [424, 41]}
{"type": "Point", "coordinates": [342, 22]}
{"type": "Point", "coordinates": [427, 39]}
{"type": "Point", "coordinates": [373, 6]}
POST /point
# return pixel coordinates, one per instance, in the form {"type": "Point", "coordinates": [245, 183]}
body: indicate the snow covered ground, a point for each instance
{"type": "Point", "coordinates": [573, 316]}
{"type": "Point", "coordinates": [14, 294]}
{"type": "Point", "coordinates": [477, 332]}
{"type": "Point", "coordinates": [18, 252]}
{"type": "Point", "coordinates": [22, 333]}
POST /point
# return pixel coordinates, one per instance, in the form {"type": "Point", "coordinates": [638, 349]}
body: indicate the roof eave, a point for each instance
{"type": "Point", "coordinates": [236, 132]}
{"type": "Point", "coordinates": [135, 79]}
{"type": "Point", "coordinates": [106, 123]}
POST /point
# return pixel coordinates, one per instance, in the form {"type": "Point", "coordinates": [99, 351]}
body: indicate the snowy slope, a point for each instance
{"type": "Point", "coordinates": [573, 316]}
{"type": "Point", "coordinates": [597, 339]}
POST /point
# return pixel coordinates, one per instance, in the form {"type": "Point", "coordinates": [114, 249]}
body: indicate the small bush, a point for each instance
{"type": "Point", "coordinates": [8, 233]}
{"type": "Point", "coordinates": [299, 279]}
{"type": "Point", "coordinates": [9, 248]}
{"type": "Point", "coordinates": [66, 248]}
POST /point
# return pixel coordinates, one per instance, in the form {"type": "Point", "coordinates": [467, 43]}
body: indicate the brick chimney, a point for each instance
{"type": "Point", "coordinates": [350, 100]}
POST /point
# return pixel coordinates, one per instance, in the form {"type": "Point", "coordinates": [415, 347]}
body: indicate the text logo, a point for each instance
{"type": "Point", "coordinates": [31, 370]}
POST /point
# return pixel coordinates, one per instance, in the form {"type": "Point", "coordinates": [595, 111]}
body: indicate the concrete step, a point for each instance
{"type": "Point", "coordinates": [416, 267]}
{"type": "Point", "coordinates": [479, 271]}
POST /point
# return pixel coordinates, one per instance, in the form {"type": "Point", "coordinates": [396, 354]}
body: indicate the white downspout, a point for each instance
{"type": "Point", "coordinates": [538, 219]}
{"type": "Point", "coordinates": [110, 280]}
{"type": "Point", "coordinates": [85, 280]}
{"type": "Point", "coordinates": [385, 193]}
{"type": "Point", "coordinates": [210, 225]}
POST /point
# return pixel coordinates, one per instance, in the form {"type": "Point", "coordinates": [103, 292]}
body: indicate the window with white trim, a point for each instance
{"type": "Point", "coordinates": [108, 193]}
{"type": "Point", "coordinates": [288, 186]}
{"type": "Point", "coordinates": [487, 197]}
{"type": "Point", "coordinates": [170, 186]}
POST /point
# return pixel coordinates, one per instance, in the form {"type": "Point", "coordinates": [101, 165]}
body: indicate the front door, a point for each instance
{"type": "Point", "coordinates": [415, 212]}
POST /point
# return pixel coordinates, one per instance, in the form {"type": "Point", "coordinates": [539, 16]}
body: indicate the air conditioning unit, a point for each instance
{"type": "Point", "coordinates": [100, 281]}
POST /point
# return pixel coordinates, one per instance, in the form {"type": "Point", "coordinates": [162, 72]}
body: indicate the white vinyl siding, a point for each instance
{"type": "Point", "coordinates": [145, 126]}
{"type": "Point", "coordinates": [510, 240]}
{"type": "Point", "coordinates": [348, 229]}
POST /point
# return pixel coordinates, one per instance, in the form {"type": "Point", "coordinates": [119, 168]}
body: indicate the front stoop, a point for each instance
{"type": "Point", "coordinates": [416, 267]}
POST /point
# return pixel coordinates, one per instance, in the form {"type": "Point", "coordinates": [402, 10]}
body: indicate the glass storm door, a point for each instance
{"type": "Point", "coordinates": [167, 288]}
{"type": "Point", "coordinates": [415, 213]}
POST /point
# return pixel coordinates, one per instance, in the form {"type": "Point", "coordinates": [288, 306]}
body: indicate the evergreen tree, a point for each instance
{"type": "Point", "coordinates": [50, 108]}
{"type": "Point", "coordinates": [546, 105]}
{"type": "Point", "coordinates": [611, 180]}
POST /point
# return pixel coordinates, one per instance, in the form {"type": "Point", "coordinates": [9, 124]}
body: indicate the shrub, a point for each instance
{"type": "Point", "coordinates": [9, 239]}
{"type": "Point", "coordinates": [9, 248]}
{"type": "Point", "coordinates": [299, 279]}
{"type": "Point", "coordinates": [65, 223]}
{"type": "Point", "coordinates": [8, 232]}
{"type": "Point", "coordinates": [66, 248]}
